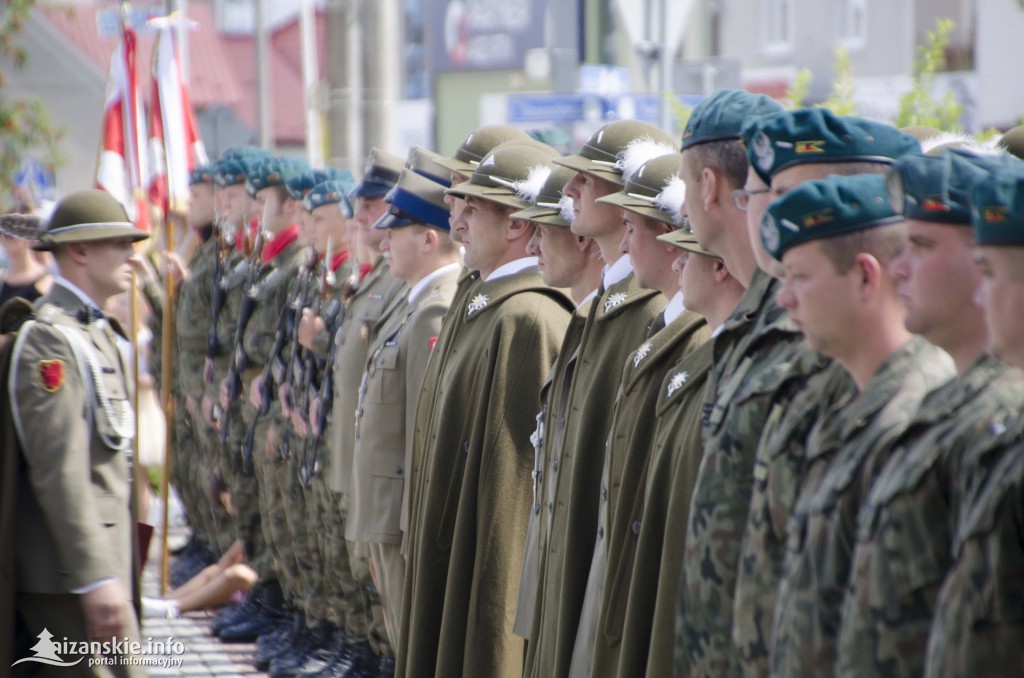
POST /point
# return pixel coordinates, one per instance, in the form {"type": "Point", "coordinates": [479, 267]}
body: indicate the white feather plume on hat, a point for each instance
{"type": "Point", "coordinates": [960, 140]}
{"type": "Point", "coordinates": [638, 152]}
{"type": "Point", "coordinates": [529, 189]}
{"type": "Point", "coordinates": [565, 209]}
{"type": "Point", "coordinates": [670, 200]}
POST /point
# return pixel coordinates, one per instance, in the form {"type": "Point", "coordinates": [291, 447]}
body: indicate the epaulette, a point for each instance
{"type": "Point", "coordinates": [13, 315]}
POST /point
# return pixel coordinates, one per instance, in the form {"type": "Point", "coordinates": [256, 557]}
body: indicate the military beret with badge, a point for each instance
{"type": "Point", "coordinates": [202, 174]}
{"type": "Point", "coordinates": [825, 208]}
{"type": "Point", "coordinates": [722, 115]}
{"type": "Point", "coordinates": [817, 135]}
{"type": "Point", "coordinates": [330, 192]}
{"type": "Point", "coordinates": [997, 207]}
{"type": "Point", "coordinates": [937, 188]}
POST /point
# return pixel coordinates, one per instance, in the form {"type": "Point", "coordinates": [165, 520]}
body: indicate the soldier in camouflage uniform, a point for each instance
{"type": "Point", "coordinates": [750, 355]}
{"type": "Point", "coordinates": [779, 158]}
{"type": "Point", "coordinates": [977, 624]}
{"type": "Point", "coordinates": [347, 562]}
{"type": "Point", "coordinates": [904, 537]}
{"type": "Point", "coordinates": [836, 238]}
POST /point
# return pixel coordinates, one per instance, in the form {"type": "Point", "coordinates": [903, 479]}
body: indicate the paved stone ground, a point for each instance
{"type": "Point", "coordinates": [204, 655]}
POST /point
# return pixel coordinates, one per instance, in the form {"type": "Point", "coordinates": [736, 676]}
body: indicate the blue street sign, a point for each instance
{"type": "Point", "coordinates": [35, 179]}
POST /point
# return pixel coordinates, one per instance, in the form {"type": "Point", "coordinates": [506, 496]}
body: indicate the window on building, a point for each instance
{"type": "Point", "coordinates": [779, 24]}
{"type": "Point", "coordinates": [853, 29]}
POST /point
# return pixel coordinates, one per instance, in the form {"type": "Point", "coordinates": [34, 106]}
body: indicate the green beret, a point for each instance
{"type": "Point", "coordinates": [428, 164]}
{"type": "Point", "coordinates": [248, 153]}
{"type": "Point", "coordinates": [202, 174]}
{"type": "Point", "coordinates": [477, 145]}
{"type": "Point", "coordinates": [937, 188]}
{"type": "Point", "coordinates": [415, 199]}
{"type": "Point", "coordinates": [86, 216]}
{"type": "Point", "coordinates": [820, 136]}
{"type": "Point", "coordinates": [230, 172]}
{"type": "Point", "coordinates": [267, 173]}
{"type": "Point", "coordinates": [602, 153]}
{"type": "Point", "coordinates": [720, 117]}
{"type": "Point", "coordinates": [330, 192]}
{"type": "Point", "coordinates": [826, 208]}
{"type": "Point", "coordinates": [543, 191]}
{"type": "Point", "coordinates": [998, 207]}
{"type": "Point", "coordinates": [498, 176]}
{"type": "Point", "coordinates": [654, 190]}
{"type": "Point", "coordinates": [300, 184]}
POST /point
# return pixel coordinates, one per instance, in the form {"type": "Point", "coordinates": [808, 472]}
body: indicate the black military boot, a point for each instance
{"type": "Point", "coordinates": [229, 616]}
{"type": "Point", "coordinates": [291, 662]}
{"type": "Point", "coordinates": [275, 642]}
{"type": "Point", "coordinates": [386, 666]}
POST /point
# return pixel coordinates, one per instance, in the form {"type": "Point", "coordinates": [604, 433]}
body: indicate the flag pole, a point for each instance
{"type": "Point", "coordinates": [166, 349]}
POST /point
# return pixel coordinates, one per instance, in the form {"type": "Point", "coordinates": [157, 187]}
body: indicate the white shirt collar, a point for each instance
{"type": "Point", "coordinates": [617, 272]}
{"type": "Point", "coordinates": [416, 290]}
{"type": "Point", "coordinates": [586, 299]}
{"type": "Point", "coordinates": [511, 268]}
{"type": "Point", "coordinates": [76, 290]}
{"type": "Point", "coordinates": [673, 309]}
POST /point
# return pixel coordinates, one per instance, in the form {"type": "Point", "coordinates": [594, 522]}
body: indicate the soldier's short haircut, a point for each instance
{"type": "Point", "coordinates": [884, 243]}
{"type": "Point", "coordinates": [728, 157]}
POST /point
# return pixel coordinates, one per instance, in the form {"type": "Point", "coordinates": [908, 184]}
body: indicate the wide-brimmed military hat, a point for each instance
{"type": "Point", "coordinates": [654, 190]}
{"type": "Point", "coordinates": [415, 199]}
{"type": "Point", "coordinates": [498, 175]}
{"type": "Point", "coordinates": [997, 207]}
{"type": "Point", "coordinates": [684, 239]}
{"type": "Point", "coordinates": [938, 188]}
{"type": "Point", "coordinates": [817, 135]}
{"type": "Point", "coordinates": [722, 115]}
{"type": "Point", "coordinates": [379, 176]}
{"type": "Point", "coordinates": [1013, 141]}
{"type": "Point", "coordinates": [24, 226]}
{"type": "Point", "coordinates": [543, 191]}
{"type": "Point", "coordinates": [427, 164]}
{"type": "Point", "coordinates": [602, 154]}
{"type": "Point", "coordinates": [477, 145]}
{"type": "Point", "coordinates": [87, 216]}
{"type": "Point", "coordinates": [329, 192]}
{"type": "Point", "coordinates": [825, 208]}
{"type": "Point", "coordinates": [202, 174]}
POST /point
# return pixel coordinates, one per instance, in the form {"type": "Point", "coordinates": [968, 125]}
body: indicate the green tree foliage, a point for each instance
{"type": "Point", "coordinates": [796, 95]}
{"type": "Point", "coordinates": [918, 106]}
{"type": "Point", "coordinates": [680, 111]}
{"type": "Point", "coordinates": [841, 101]}
{"type": "Point", "coordinates": [25, 125]}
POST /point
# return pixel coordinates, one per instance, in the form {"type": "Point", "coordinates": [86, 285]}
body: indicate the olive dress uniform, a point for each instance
{"type": "Point", "coordinates": [462, 570]}
{"type": "Point", "coordinates": [395, 365]}
{"type": "Point", "coordinates": [69, 504]}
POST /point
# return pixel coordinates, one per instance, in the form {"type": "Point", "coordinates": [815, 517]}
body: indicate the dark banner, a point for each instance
{"type": "Point", "coordinates": [483, 35]}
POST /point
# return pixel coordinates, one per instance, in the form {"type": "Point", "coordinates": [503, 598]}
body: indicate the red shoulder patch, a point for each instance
{"type": "Point", "coordinates": [433, 343]}
{"type": "Point", "coordinates": [51, 374]}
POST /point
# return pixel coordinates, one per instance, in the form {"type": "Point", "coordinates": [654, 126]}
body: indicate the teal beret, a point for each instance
{"type": "Point", "coordinates": [249, 153]}
{"type": "Point", "coordinates": [818, 135]}
{"type": "Point", "coordinates": [998, 207]}
{"type": "Point", "coordinates": [938, 188]}
{"type": "Point", "coordinates": [826, 208]}
{"type": "Point", "coordinates": [720, 117]}
{"type": "Point", "coordinates": [270, 172]}
{"type": "Point", "coordinates": [330, 192]}
{"type": "Point", "coordinates": [230, 171]}
{"type": "Point", "coordinates": [300, 184]}
{"type": "Point", "coordinates": [202, 174]}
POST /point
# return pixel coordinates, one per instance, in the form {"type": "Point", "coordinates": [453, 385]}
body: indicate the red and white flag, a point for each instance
{"type": "Point", "coordinates": [175, 148]}
{"type": "Point", "coordinates": [121, 168]}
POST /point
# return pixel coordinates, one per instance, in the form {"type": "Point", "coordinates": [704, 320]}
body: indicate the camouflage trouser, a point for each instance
{"type": "Point", "coordinates": [183, 454]}
{"type": "Point", "coordinates": [244, 487]}
{"type": "Point", "coordinates": [219, 523]}
{"type": "Point", "coordinates": [338, 579]}
{"type": "Point", "coordinates": [324, 604]}
{"type": "Point", "coordinates": [304, 547]}
{"type": "Point", "coordinates": [269, 469]}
